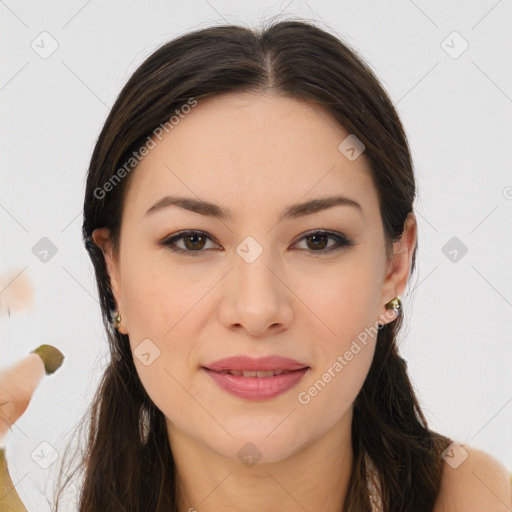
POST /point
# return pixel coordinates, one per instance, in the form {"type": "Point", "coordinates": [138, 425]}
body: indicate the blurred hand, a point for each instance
{"type": "Point", "coordinates": [19, 381]}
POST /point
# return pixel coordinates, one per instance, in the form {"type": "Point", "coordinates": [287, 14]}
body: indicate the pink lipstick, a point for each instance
{"type": "Point", "coordinates": [256, 379]}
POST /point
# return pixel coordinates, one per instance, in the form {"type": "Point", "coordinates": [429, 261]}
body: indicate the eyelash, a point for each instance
{"type": "Point", "coordinates": [170, 242]}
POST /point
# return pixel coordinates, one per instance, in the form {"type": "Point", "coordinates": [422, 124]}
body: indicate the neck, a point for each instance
{"type": "Point", "coordinates": [319, 473]}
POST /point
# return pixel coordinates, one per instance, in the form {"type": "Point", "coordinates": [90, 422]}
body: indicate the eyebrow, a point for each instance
{"type": "Point", "coordinates": [291, 212]}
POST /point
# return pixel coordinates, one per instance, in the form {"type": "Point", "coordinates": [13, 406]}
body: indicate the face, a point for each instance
{"type": "Point", "coordinates": [256, 282]}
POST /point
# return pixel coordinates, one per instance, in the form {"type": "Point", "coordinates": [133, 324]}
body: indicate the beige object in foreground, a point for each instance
{"type": "Point", "coordinates": [17, 385]}
{"type": "Point", "coordinates": [17, 292]}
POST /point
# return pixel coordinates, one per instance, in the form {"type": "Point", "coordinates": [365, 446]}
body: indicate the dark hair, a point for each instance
{"type": "Point", "coordinates": [128, 463]}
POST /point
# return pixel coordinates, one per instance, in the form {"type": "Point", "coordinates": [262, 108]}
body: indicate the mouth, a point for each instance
{"type": "Point", "coordinates": [242, 365]}
{"type": "Point", "coordinates": [256, 384]}
{"type": "Point", "coordinates": [261, 374]}
{"type": "Point", "coordinates": [260, 378]}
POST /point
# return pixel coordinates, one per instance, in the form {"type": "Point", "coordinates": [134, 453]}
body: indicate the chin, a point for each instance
{"type": "Point", "coordinates": [259, 440]}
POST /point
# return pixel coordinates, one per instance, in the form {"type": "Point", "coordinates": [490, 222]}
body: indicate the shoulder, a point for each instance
{"type": "Point", "coordinates": [473, 481]}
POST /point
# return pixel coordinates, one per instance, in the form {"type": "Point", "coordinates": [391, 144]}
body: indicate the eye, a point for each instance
{"type": "Point", "coordinates": [195, 241]}
{"type": "Point", "coordinates": [319, 240]}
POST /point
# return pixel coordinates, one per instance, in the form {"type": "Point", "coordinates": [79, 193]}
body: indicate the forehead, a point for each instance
{"type": "Point", "coordinates": [247, 147]}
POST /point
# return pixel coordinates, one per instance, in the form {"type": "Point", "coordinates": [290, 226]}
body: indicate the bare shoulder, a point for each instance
{"type": "Point", "coordinates": [473, 481]}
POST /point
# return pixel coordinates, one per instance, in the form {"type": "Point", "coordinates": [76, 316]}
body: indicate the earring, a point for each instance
{"type": "Point", "coordinates": [395, 304]}
{"type": "Point", "coordinates": [117, 320]}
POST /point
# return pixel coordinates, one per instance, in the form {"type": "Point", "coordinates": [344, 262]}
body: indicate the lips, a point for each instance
{"type": "Point", "coordinates": [256, 367]}
{"type": "Point", "coordinates": [255, 373]}
{"type": "Point", "coordinates": [256, 379]}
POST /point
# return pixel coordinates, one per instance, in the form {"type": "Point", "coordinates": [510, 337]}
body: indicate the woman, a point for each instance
{"type": "Point", "coordinates": [249, 214]}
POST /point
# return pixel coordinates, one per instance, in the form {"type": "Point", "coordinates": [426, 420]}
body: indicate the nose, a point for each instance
{"type": "Point", "coordinates": [255, 296]}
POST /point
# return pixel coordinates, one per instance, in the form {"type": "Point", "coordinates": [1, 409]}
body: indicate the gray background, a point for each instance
{"type": "Point", "coordinates": [456, 111]}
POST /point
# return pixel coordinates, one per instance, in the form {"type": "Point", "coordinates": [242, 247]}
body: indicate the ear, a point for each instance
{"type": "Point", "coordinates": [398, 269]}
{"type": "Point", "coordinates": [101, 237]}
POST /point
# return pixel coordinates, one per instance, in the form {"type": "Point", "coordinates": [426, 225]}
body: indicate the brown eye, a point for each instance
{"type": "Point", "coordinates": [318, 240]}
{"type": "Point", "coordinates": [194, 241]}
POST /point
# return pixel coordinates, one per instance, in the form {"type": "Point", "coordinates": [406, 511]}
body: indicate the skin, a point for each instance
{"type": "Point", "coordinates": [254, 154]}
{"type": "Point", "coordinates": [480, 483]}
{"type": "Point", "coordinates": [18, 383]}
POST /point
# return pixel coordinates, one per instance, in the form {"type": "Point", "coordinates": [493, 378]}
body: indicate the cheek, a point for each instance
{"type": "Point", "coordinates": [329, 395]}
{"type": "Point", "coordinates": [160, 304]}
{"type": "Point", "coordinates": [162, 364]}
{"type": "Point", "coordinates": [344, 309]}
{"type": "Point", "coordinates": [342, 300]}
{"type": "Point", "coordinates": [339, 374]}
{"type": "Point", "coordinates": [156, 294]}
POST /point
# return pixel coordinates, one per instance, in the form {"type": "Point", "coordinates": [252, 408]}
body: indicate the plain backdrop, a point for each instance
{"type": "Point", "coordinates": [453, 92]}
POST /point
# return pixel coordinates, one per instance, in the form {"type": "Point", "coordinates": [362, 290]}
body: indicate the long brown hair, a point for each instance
{"type": "Point", "coordinates": [127, 463]}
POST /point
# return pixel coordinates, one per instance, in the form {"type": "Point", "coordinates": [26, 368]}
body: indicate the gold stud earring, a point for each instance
{"type": "Point", "coordinates": [394, 304]}
{"type": "Point", "coordinates": [117, 320]}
